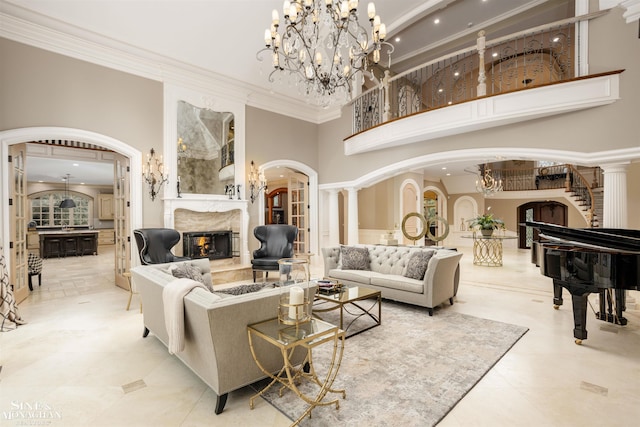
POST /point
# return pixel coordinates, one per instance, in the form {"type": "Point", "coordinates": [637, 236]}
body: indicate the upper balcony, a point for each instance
{"type": "Point", "coordinates": [526, 75]}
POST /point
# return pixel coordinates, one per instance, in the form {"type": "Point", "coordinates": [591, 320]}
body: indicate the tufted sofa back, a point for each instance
{"type": "Point", "coordinates": [382, 259]}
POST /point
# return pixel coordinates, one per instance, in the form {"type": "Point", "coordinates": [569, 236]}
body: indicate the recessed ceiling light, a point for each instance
{"type": "Point", "coordinates": [76, 164]}
{"type": "Point", "coordinates": [448, 174]}
{"type": "Point", "coordinates": [397, 39]}
{"type": "Point", "coordinates": [436, 21]}
{"type": "Point", "coordinates": [40, 181]}
{"type": "Point", "coordinates": [444, 168]}
{"type": "Point", "coordinates": [495, 54]}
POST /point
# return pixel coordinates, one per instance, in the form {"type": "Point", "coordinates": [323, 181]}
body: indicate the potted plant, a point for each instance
{"type": "Point", "coordinates": [486, 223]}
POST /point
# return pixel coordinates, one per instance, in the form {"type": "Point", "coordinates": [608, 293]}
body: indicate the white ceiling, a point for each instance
{"type": "Point", "coordinates": [223, 36]}
{"type": "Point", "coordinates": [50, 170]}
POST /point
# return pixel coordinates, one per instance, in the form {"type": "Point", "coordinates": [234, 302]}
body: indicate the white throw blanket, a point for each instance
{"type": "Point", "coordinates": [173, 300]}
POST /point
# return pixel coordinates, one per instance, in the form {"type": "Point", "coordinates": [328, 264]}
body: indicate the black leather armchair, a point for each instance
{"type": "Point", "coordinates": [276, 242]}
{"type": "Point", "coordinates": [154, 245]}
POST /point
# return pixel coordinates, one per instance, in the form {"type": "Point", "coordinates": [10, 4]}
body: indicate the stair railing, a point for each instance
{"type": "Point", "coordinates": [581, 188]}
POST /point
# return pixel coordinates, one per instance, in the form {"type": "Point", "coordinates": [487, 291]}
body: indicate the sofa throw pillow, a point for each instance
{"type": "Point", "coordinates": [189, 271]}
{"type": "Point", "coordinates": [417, 265]}
{"type": "Point", "coordinates": [354, 258]}
{"type": "Point", "coordinates": [243, 289]}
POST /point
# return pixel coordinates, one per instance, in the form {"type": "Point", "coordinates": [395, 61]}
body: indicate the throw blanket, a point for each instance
{"type": "Point", "coordinates": [173, 300]}
{"type": "Point", "coordinates": [9, 317]}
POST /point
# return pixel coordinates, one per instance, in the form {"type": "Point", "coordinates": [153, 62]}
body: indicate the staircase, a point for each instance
{"type": "Point", "coordinates": [587, 194]}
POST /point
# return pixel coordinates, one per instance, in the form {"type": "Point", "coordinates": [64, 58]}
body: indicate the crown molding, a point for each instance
{"type": "Point", "coordinates": [42, 32]}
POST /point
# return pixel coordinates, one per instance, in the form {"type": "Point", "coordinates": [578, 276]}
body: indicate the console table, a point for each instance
{"type": "Point", "coordinates": [67, 243]}
{"type": "Point", "coordinates": [487, 250]}
{"type": "Point", "coordinates": [288, 338]}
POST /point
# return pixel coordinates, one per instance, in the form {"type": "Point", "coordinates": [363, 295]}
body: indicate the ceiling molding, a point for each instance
{"type": "Point", "coordinates": [39, 31]}
{"type": "Point", "coordinates": [489, 112]}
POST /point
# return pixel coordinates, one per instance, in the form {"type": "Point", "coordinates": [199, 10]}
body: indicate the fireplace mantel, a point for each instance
{"type": "Point", "coordinates": [209, 203]}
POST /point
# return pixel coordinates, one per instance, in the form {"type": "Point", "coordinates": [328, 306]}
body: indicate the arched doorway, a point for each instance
{"type": "Point", "coordinates": [13, 137]}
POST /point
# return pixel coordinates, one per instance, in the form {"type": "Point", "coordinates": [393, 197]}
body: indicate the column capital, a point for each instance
{"type": "Point", "coordinates": [615, 167]}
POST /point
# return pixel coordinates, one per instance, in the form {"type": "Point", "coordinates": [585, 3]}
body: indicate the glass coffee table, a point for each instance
{"type": "Point", "coordinates": [357, 301]}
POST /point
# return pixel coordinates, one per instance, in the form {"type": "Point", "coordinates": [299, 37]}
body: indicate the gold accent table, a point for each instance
{"type": "Point", "coordinates": [487, 250]}
{"type": "Point", "coordinates": [288, 338]}
{"type": "Point", "coordinates": [344, 296]}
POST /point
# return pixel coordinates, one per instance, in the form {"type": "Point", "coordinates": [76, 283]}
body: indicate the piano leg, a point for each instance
{"type": "Point", "coordinates": [557, 296]}
{"type": "Point", "coordinates": [579, 317]}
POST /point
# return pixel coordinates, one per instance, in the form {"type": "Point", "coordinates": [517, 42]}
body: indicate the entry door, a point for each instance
{"type": "Point", "coordinates": [550, 212]}
{"type": "Point", "coordinates": [18, 223]}
{"type": "Point", "coordinates": [299, 210]}
{"type": "Point", "coordinates": [121, 212]}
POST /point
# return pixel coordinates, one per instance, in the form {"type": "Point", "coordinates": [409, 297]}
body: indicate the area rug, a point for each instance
{"type": "Point", "coordinates": [410, 371]}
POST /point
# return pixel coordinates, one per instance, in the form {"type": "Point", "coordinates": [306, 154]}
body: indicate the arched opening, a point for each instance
{"type": "Point", "coordinates": [133, 157]}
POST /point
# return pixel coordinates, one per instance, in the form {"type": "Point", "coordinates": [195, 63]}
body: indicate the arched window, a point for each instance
{"type": "Point", "coordinates": [45, 209]}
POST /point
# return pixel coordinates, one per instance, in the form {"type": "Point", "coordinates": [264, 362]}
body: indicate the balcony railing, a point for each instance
{"type": "Point", "coordinates": [538, 56]}
{"type": "Point", "coordinates": [580, 183]}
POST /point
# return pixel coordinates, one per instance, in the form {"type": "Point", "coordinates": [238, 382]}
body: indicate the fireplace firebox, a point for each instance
{"type": "Point", "coordinates": [207, 244]}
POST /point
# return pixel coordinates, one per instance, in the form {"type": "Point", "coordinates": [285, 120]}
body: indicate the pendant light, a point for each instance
{"type": "Point", "coordinates": [67, 202]}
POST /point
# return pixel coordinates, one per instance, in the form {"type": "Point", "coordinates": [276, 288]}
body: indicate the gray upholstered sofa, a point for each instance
{"type": "Point", "coordinates": [216, 343]}
{"type": "Point", "coordinates": [387, 271]}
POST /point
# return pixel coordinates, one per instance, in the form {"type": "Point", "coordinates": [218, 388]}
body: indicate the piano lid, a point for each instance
{"type": "Point", "coordinates": [609, 238]}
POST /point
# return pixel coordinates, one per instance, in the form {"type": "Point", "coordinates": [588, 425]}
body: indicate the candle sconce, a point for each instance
{"type": "Point", "coordinates": [154, 173]}
{"type": "Point", "coordinates": [295, 300]}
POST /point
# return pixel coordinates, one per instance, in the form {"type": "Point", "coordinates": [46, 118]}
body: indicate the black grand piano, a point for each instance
{"type": "Point", "coordinates": [588, 260]}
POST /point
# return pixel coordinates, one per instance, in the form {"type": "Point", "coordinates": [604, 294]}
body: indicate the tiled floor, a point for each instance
{"type": "Point", "coordinates": [81, 360]}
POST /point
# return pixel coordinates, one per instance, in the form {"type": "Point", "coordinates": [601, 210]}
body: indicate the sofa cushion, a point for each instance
{"type": "Point", "coordinates": [401, 283]}
{"type": "Point", "coordinates": [188, 271]}
{"type": "Point", "coordinates": [354, 258]}
{"type": "Point", "coordinates": [360, 276]}
{"type": "Point", "coordinates": [417, 264]}
{"type": "Point", "coordinates": [388, 259]}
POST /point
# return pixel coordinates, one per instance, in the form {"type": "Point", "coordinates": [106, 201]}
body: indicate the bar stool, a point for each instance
{"type": "Point", "coordinates": [34, 267]}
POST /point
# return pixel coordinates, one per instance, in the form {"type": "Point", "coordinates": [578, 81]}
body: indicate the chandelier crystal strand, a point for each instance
{"type": "Point", "coordinates": [322, 48]}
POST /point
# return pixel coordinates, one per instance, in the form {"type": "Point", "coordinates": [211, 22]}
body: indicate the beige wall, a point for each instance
{"type": "Point", "coordinates": [41, 88]}
{"type": "Point", "coordinates": [375, 206]}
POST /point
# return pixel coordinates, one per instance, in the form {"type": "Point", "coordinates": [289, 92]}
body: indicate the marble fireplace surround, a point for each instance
{"type": "Point", "coordinates": [210, 213]}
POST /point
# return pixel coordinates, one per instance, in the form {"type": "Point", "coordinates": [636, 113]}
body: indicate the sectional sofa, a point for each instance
{"type": "Point", "coordinates": [423, 276]}
{"type": "Point", "coordinates": [216, 344]}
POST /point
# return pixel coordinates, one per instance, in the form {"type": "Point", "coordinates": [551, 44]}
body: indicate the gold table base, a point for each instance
{"type": "Point", "coordinates": [289, 376]}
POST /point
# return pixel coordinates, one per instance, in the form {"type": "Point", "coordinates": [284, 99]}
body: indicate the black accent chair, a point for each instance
{"type": "Point", "coordinates": [154, 245]}
{"type": "Point", "coordinates": [276, 242]}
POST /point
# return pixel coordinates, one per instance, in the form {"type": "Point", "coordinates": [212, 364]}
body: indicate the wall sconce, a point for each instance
{"type": "Point", "coordinates": [154, 173]}
{"type": "Point", "coordinates": [257, 182]}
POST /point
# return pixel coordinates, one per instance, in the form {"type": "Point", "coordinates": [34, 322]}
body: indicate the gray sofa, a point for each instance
{"type": "Point", "coordinates": [216, 343]}
{"type": "Point", "coordinates": [387, 269]}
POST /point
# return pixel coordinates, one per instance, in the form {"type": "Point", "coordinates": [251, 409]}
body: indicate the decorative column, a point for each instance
{"type": "Point", "coordinates": [353, 226]}
{"type": "Point", "coordinates": [615, 203]}
{"type": "Point", "coordinates": [615, 196]}
{"type": "Point", "coordinates": [334, 218]}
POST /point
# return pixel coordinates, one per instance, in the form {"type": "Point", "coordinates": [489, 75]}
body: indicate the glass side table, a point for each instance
{"type": "Point", "coordinates": [288, 338]}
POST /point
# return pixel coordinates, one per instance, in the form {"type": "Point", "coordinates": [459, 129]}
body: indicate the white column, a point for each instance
{"type": "Point", "coordinates": [334, 218]}
{"type": "Point", "coordinates": [615, 204]}
{"type": "Point", "coordinates": [352, 222]}
{"type": "Point", "coordinates": [482, 78]}
{"type": "Point", "coordinates": [615, 196]}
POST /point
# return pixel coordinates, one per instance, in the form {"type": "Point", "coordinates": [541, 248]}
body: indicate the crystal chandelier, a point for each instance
{"type": "Point", "coordinates": [486, 183]}
{"type": "Point", "coordinates": [322, 47]}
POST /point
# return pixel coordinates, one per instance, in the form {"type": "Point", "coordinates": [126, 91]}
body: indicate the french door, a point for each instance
{"type": "Point", "coordinates": [121, 201]}
{"type": "Point", "coordinates": [18, 224]}
{"type": "Point", "coordinates": [299, 210]}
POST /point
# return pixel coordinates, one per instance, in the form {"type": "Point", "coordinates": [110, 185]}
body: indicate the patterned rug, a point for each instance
{"type": "Point", "coordinates": [410, 371]}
